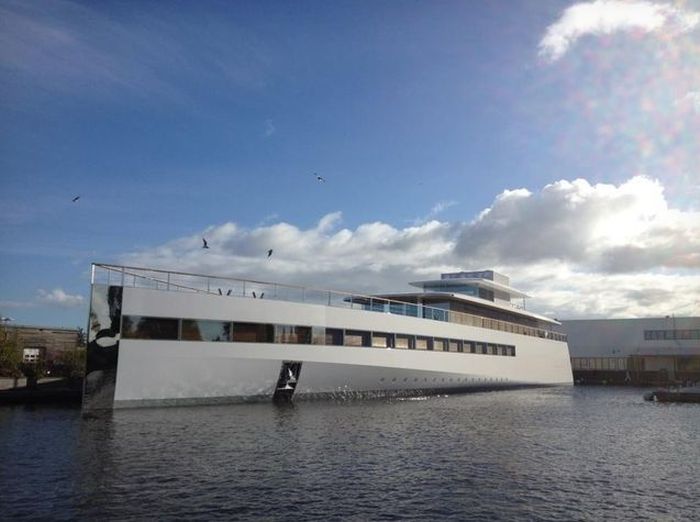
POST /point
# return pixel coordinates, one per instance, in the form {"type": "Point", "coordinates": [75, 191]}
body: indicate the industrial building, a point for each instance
{"type": "Point", "coordinates": [649, 351]}
{"type": "Point", "coordinates": [43, 343]}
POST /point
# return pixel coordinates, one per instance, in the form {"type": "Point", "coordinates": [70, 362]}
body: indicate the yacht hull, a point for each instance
{"type": "Point", "coordinates": [161, 372]}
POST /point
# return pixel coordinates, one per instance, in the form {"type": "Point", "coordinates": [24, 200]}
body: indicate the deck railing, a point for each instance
{"type": "Point", "coordinates": [230, 286]}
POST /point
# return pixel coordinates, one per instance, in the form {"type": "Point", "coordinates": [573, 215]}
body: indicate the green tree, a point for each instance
{"type": "Point", "coordinates": [10, 354]}
{"type": "Point", "coordinates": [72, 363]}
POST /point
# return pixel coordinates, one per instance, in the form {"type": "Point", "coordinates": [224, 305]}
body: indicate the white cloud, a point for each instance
{"type": "Point", "coordinates": [582, 249]}
{"type": "Point", "coordinates": [270, 128]}
{"type": "Point", "coordinates": [601, 227]}
{"type": "Point", "coordinates": [437, 209]}
{"type": "Point", "coordinates": [16, 304]}
{"type": "Point", "coordinates": [58, 297]}
{"type": "Point", "coordinates": [691, 98]}
{"type": "Point", "coordinates": [609, 16]}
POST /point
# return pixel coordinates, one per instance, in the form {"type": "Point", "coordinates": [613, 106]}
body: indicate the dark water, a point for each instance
{"type": "Point", "coordinates": [547, 454]}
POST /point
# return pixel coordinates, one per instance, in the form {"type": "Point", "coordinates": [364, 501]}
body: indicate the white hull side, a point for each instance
{"type": "Point", "coordinates": [180, 371]}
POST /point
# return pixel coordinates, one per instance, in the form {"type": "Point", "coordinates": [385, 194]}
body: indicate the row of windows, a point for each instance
{"type": "Point", "coordinates": [599, 363]}
{"type": "Point", "coordinates": [139, 327]}
{"type": "Point", "coordinates": [670, 335]}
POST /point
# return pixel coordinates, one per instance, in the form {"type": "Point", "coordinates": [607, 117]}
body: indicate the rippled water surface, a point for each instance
{"type": "Point", "coordinates": [551, 454]}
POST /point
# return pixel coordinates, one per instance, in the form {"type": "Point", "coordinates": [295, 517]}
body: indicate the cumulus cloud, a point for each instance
{"type": "Point", "coordinates": [605, 228]}
{"type": "Point", "coordinates": [603, 17]}
{"type": "Point", "coordinates": [58, 297]}
{"type": "Point", "coordinates": [582, 249]}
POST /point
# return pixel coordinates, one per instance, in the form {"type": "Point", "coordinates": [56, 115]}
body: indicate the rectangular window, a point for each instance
{"type": "Point", "coordinates": [422, 343]}
{"type": "Point", "coordinates": [439, 345]}
{"type": "Point", "coordinates": [380, 340]}
{"type": "Point", "coordinates": [405, 342]}
{"type": "Point", "coordinates": [318, 335]}
{"type": "Point", "coordinates": [469, 347]}
{"type": "Point", "coordinates": [138, 327]}
{"type": "Point", "coordinates": [357, 338]}
{"type": "Point", "coordinates": [481, 348]}
{"type": "Point", "coordinates": [199, 330]}
{"type": "Point", "coordinates": [288, 334]}
{"type": "Point", "coordinates": [454, 345]}
{"type": "Point", "coordinates": [493, 349]}
{"type": "Point", "coordinates": [334, 337]}
{"type": "Point", "coordinates": [253, 333]}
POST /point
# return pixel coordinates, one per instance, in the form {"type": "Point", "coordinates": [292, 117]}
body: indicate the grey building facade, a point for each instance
{"type": "Point", "coordinates": [647, 351]}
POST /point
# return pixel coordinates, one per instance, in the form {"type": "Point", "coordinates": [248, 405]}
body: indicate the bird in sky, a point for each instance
{"type": "Point", "coordinates": [204, 243]}
{"type": "Point", "coordinates": [76, 198]}
{"type": "Point", "coordinates": [319, 177]}
{"type": "Point", "coordinates": [269, 253]}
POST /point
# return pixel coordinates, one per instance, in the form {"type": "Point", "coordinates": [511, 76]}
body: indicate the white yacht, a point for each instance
{"type": "Point", "coordinates": [161, 337]}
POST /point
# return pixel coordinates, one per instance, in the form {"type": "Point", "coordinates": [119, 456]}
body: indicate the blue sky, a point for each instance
{"type": "Point", "coordinates": [553, 140]}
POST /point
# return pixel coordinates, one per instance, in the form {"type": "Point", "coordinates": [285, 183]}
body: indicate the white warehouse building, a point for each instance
{"type": "Point", "coordinates": [647, 351]}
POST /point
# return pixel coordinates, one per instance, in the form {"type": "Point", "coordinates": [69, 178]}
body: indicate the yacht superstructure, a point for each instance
{"type": "Point", "coordinates": [162, 337]}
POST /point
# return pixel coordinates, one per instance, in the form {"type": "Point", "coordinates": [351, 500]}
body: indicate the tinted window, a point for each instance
{"type": "Point", "coordinates": [334, 337]}
{"type": "Point", "coordinates": [357, 338]}
{"type": "Point", "coordinates": [214, 331]}
{"type": "Point", "coordinates": [287, 334]}
{"type": "Point", "coordinates": [404, 341]}
{"type": "Point", "coordinates": [381, 340]}
{"type": "Point", "coordinates": [137, 327]}
{"type": "Point", "coordinates": [253, 333]}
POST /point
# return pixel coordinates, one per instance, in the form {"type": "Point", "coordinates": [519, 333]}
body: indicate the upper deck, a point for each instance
{"type": "Point", "coordinates": [172, 281]}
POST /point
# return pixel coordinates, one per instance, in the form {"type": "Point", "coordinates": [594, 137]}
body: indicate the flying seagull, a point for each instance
{"type": "Point", "coordinates": [269, 253]}
{"type": "Point", "coordinates": [204, 243]}
{"type": "Point", "coordinates": [76, 198]}
{"type": "Point", "coordinates": [319, 177]}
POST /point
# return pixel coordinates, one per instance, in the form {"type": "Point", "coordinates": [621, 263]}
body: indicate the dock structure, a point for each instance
{"type": "Point", "coordinates": [645, 352]}
{"type": "Point", "coordinates": [689, 394]}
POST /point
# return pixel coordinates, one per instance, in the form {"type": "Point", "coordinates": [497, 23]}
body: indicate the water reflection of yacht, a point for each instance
{"type": "Point", "coordinates": [177, 340]}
